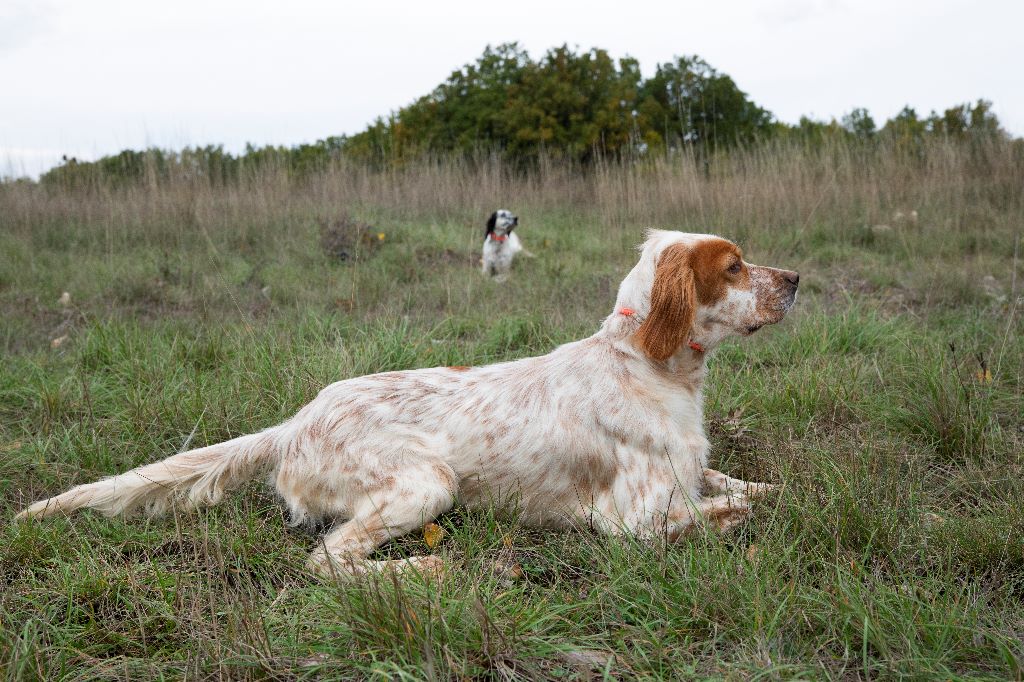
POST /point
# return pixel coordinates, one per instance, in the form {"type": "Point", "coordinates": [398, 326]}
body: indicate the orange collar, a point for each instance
{"type": "Point", "coordinates": [497, 238]}
{"type": "Point", "coordinates": [629, 312]}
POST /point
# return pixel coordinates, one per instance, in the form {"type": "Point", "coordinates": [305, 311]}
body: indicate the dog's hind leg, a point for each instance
{"type": "Point", "coordinates": [720, 513]}
{"type": "Point", "coordinates": [344, 551]}
{"type": "Point", "coordinates": [409, 500]}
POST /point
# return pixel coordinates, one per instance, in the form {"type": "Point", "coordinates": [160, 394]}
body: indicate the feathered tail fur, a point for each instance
{"type": "Point", "coordinates": [200, 477]}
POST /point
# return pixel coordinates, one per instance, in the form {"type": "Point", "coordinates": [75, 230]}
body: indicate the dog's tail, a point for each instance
{"type": "Point", "coordinates": [199, 477]}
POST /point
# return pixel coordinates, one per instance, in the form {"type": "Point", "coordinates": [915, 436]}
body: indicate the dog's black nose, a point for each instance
{"type": "Point", "coordinates": [791, 277]}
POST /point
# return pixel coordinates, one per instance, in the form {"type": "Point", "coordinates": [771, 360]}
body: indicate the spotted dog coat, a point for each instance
{"type": "Point", "coordinates": [501, 244]}
{"type": "Point", "coordinates": [606, 431]}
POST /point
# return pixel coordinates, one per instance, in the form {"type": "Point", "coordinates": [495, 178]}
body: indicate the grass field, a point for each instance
{"type": "Point", "coordinates": [889, 404]}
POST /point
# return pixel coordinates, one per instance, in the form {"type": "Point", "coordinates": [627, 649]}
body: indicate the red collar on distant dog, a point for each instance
{"type": "Point", "coordinates": [629, 312]}
{"type": "Point", "coordinates": [499, 239]}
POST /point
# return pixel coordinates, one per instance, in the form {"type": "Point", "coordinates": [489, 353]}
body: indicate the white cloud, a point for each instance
{"type": "Point", "coordinates": [790, 11]}
{"type": "Point", "coordinates": [21, 21]}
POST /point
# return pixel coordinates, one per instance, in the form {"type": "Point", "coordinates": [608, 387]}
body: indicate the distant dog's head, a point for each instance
{"type": "Point", "coordinates": [501, 223]}
{"type": "Point", "coordinates": [698, 288]}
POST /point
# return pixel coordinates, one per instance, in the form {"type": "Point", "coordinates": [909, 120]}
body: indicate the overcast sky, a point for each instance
{"type": "Point", "coordinates": [92, 77]}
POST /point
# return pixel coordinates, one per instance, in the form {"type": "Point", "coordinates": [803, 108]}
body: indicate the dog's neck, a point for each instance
{"type": "Point", "coordinates": [687, 367]}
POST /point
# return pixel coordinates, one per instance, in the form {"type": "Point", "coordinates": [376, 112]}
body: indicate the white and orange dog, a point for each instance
{"type": "Point", "coordinates": [607, 431]}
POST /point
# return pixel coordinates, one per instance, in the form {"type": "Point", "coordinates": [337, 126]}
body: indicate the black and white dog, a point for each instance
{"type": "Point", "coordinates": [500, 244]}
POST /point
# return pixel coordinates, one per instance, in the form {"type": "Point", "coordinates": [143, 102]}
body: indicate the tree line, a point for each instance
{"type": "Point", "coordinates": [576, 105]}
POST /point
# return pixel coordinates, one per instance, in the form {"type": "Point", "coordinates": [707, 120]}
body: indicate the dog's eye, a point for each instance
{"type": "Point", "coordinates": [735, 268]}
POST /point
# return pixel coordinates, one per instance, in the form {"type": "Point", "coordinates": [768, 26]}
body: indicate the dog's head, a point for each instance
{"type": "Point", "coordinates": [697, 288]}
{"type": "Point", "coordinates": [501, 223]}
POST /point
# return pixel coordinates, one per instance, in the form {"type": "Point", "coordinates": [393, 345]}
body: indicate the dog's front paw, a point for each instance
{"type": "Point", "coordinates": [431, 567]}
{"type": "Point", "coordinates": [762, 489]}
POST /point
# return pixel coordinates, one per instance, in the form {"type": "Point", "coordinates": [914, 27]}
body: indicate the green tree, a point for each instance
{"type": "Point", "coordinates": [467, 111]}
{"type": "Point", "coordinates": [574, 103]}
{"type": "Point", "coordinates": [577, 104]}
{"type": "Point", "coordinates": [860, 124]}
{"type": "Point", "coordinates": [905, 130]}
{"type": "Point", "coordinates": [963, 120]}
{"type": "Point", "coordinates": [688, 102]}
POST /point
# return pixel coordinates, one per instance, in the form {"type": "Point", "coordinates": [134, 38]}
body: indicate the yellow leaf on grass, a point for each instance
{"type": "Point", "coordinates": [380, 236]}
{"type": "Point", "coordinates": [984, 376]}
{"type": "Point", "coordinates": [507, 541]}
{"type": "Point", "coordinates": [432, 535]}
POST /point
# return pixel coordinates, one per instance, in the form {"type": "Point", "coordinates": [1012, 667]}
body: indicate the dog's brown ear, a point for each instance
{"type": "Point", "coordinates": [673, 305]}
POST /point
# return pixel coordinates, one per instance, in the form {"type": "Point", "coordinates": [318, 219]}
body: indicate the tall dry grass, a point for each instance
{"type": "Point", "coordinates": [758, 193]}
